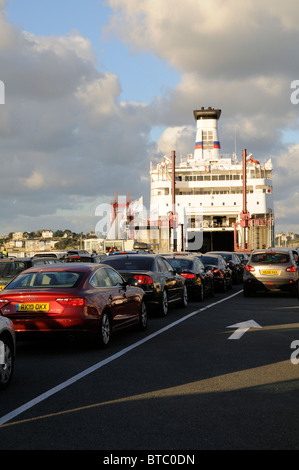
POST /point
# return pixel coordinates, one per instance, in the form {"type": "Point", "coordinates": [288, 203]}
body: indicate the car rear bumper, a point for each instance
{"type": "Point", "coordinates": [57, 325]}
{"type": "Point", "coordinates": [273, 285]}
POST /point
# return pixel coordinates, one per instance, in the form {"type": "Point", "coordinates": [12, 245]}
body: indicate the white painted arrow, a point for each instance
{"type": "Point", "coordinates": [242, 328]}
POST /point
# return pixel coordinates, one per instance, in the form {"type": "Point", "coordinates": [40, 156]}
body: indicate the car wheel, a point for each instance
{"type": "Point", "coordinates": [223, 286]}
{"type": "Point", "coordinates": [184, 300]}
{"type": "Point", "coordinates": [6, 369]}
{"type": "Point", "coordinates": [143, 317]}
{"type": "Point", "coordinates": [105, 330]}
{"type": "Point", "coordinates": [212, 292]}
{"type": "Point", "coordinates": [163, 307]}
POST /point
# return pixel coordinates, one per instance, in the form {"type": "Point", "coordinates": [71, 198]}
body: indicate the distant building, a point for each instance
{"type": "Point", "coordinates": [47, 233]}
{"type": "Point", "coordinates": [93, 244]}
{"type": "Point", "coordinates": [17, 235]}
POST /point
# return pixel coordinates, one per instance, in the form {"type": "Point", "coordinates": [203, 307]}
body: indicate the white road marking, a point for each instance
{"type": "Point", "coordinates": [242, 328]}
{"type": "Point", "coordinates": [84, 373]}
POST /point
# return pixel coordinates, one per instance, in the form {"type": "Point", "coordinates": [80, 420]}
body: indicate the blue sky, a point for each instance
{"type": "Point", "coordinates": [142, 75]}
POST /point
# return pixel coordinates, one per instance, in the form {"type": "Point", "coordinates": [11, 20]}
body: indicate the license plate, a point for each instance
{"type": "Point", "coordinates": [275, 272]}
{"type": "Point", "coordinates": [32, 307]}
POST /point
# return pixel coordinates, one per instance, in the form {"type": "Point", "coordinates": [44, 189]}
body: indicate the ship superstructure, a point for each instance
{"type": "Point", "coordinates": [202, 195]}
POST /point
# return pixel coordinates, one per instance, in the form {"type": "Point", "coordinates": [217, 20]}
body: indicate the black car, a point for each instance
{"type": "Point", "coordinates": [199, 281]}
{"type": "Point", "coordinates": [161, 284]}
{"type": "Point", "coordinates": [10, 267]}
{"type": "Point", "coordinates": [223, 278]}
{"type": "Point", "coordinates": [234, 263]}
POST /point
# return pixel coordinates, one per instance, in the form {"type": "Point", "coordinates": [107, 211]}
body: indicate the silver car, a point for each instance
{"type": "Point", "coordinates": [271, 270]}
{"type": "Point", "coordinates": [7, 351]}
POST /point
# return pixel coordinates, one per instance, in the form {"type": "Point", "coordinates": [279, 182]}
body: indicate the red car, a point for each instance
{"type": "Point", "coordinates": [73, 298]}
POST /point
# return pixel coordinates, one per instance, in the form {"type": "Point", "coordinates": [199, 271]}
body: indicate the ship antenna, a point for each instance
{"type": "Point", "coordinates": [235, 152]}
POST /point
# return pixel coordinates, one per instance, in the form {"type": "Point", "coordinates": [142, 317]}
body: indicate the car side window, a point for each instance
{"type": "Point", "coordinates": [101, 279]}
{"type": "Point", "coordinates": [163, 265]}
{"type": "Point", "coordinates": [199, 265]}
{"type": "Point", "coordinates": [237, 259]}
{"type": "Point", "coordinates": [116, 279]}
{"type": "Point", "coordinates": [15, 268]}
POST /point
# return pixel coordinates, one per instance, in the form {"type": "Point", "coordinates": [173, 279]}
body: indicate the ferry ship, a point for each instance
{"type": "Point", "coordinates": [212, 201]}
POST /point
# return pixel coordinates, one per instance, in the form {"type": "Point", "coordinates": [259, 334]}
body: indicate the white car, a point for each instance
{"type": "Point", "coordinates": [7, 351]}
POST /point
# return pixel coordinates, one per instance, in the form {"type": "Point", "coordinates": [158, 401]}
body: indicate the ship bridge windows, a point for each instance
{"type": "Point", "coordinates": [209, 177]}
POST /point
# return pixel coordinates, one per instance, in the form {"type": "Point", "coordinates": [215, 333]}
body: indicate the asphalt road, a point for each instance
{"type": "Point", "coordinates": [191, 382]}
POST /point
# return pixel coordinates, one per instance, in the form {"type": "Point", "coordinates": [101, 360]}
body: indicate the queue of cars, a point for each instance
{"type": "Point", "coordinates": [92, 296]}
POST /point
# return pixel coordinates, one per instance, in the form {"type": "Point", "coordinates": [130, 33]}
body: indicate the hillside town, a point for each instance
{"type": "Point", "coordinates": [29, 243]}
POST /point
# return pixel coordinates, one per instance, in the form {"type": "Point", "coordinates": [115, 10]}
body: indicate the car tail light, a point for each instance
{"type": "Point", "coordinates": [217, 271]}
{"type": "Point", "coordinates": [143, 279]}
{"type": "Point", "coordinates": [188, 275]}
{"type": "Point", "coordinates": [291, 269]}
{"type": "Point", "coordinates": [249, 268]}
{"type": "Point", "coordinates": [72, 302]}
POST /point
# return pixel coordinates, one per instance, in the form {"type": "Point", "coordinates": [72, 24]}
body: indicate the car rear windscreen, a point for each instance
{"type": "Point", "coordinates": [34, 280]}
{"type": "Point", "coordinates": [209, 260]}
{"type": "Point", "coordinates": [132, 263]}
{"type": "Point", "coordinates": [181, 263]}
{"type": "Point", "coordinates": [270, 258]}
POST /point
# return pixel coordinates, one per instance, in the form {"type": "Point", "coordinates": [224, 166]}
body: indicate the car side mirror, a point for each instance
{"type": "Point", "coordinates": [131, 282]}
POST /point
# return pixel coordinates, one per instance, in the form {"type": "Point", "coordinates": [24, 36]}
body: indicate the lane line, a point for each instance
{"type": "Point", "coordinates": [98, 365]}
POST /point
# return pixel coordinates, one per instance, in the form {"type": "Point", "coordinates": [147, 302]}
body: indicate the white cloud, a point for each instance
{"type": "Point", "coordinates": [65, 139]}
{"type": "Point", "coordinates": [178, 139]}
{"type": "Point", "coordinates": [99, 96]}
{"type": "Point", "coordinates": [35, 181]}
{"type": "Point", "coordinates": [63, 45]}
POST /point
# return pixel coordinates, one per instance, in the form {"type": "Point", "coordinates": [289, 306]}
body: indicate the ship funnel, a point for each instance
{"type": "Point", "coordinates": [207, 144]}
